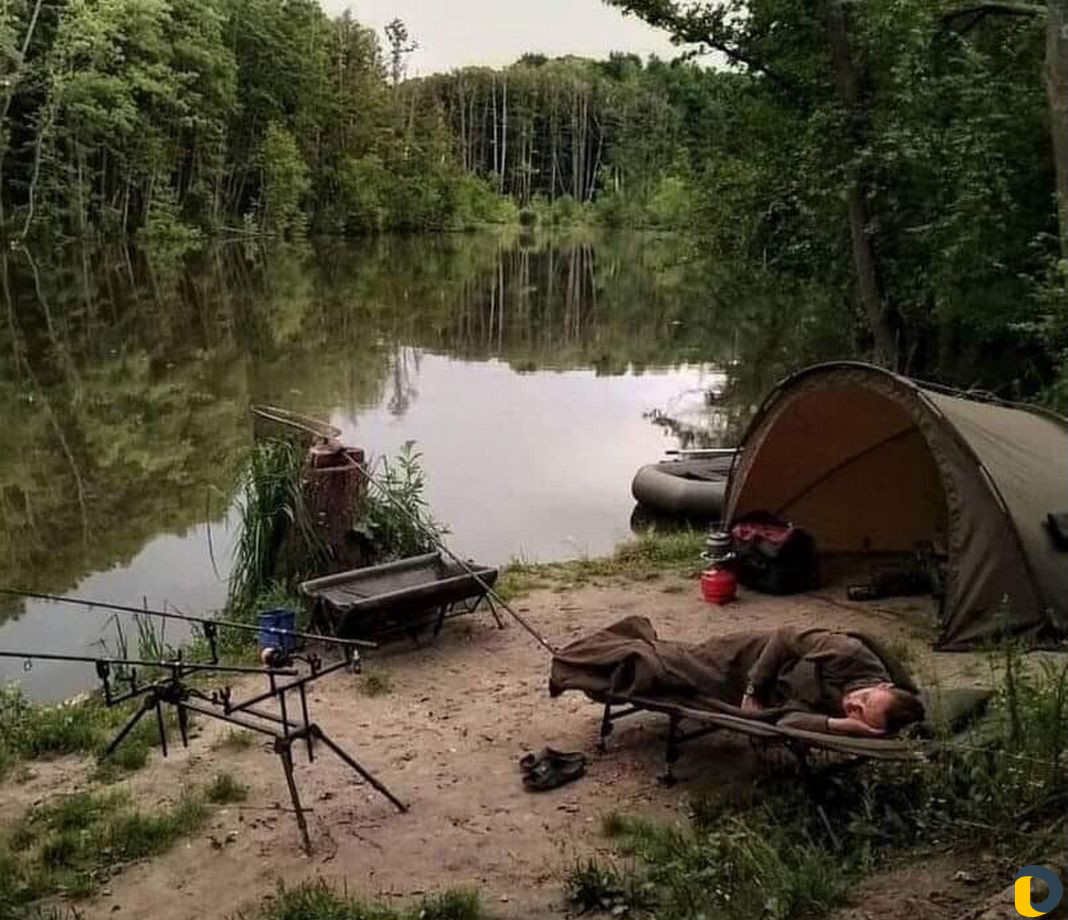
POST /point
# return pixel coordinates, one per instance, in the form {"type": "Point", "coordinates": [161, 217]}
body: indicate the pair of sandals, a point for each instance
{"type": "Point", "coordinates": [550, 769]}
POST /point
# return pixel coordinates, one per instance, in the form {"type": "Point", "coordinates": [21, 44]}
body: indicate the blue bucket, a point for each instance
{"type": "Point", "coordinates": [278, 619]}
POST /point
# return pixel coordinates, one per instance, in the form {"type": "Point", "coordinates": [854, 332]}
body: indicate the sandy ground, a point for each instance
{"type": "Point", "coordinates": [446, 739]}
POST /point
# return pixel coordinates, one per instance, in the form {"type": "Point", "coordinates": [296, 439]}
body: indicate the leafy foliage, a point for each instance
{"type": "Point", "coordinates": [170, 118]}
{"type": "Point", "coordinates": [903, 165]}
{"type": "Point", "coordinates": [395, 516]}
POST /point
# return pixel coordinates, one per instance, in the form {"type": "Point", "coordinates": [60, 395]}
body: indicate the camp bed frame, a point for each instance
{"type": "Point", "coordinates": [799, 742]}
{"type": "Point", "coordinates": [399, 597]}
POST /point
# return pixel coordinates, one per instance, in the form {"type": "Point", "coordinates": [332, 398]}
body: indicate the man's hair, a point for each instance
{"type": "Point", "coordinates": [903, 710]}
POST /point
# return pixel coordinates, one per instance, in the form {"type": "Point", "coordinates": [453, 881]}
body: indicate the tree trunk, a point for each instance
{"type": "Point", "coordinates": [1057, 91]}
{"type": "Point", "coordinates": [463, 126]}
{"type": "Point", "coordinates": [864, 264]}
{"type": "Point", "coordinates": [496, 146]}
{"type": "Point", "coordinates": [504, 133]}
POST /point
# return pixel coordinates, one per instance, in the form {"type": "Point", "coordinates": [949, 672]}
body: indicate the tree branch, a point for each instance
{"type": "Point", "coordinates": [690, 27]}
{"type": "Point", "coordinates": [967, 18]}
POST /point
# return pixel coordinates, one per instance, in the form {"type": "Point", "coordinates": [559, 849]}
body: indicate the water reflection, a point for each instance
{"type": "Point", "coordinates": [522, 365]}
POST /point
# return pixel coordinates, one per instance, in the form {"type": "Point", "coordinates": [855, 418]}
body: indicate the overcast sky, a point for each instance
{"type": "Point", "coordinates": [454, 33]}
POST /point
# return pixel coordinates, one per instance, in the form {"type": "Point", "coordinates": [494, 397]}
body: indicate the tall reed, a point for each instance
{"type": "Point", "coordinates": [278, 540]}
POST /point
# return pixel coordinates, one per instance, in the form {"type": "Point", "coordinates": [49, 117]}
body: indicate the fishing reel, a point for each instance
{"type": "Point", "coordinates": [273, 658]}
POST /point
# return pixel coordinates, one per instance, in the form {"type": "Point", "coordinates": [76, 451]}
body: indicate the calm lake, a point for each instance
{"type": "Point", "coordinates": [534, 374]}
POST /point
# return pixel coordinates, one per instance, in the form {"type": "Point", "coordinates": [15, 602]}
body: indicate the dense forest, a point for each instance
{"type": "Point", "coordinates": [173, 116]}
{"type": "Point", "coordinates": [166, 117]}
{"type": "Point", "coordinates": [908, 156]}
{"type": "Point", "coordinates": [911, 153]}
{"type": "Point", "coordinates": [605, 132]}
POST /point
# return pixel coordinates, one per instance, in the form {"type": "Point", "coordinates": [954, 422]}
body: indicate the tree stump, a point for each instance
{"type": "Point", "coordinates": [333, 486]}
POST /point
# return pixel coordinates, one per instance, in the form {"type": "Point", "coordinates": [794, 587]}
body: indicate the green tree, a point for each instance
{"type": "Point", "coordinates": [285, 181]}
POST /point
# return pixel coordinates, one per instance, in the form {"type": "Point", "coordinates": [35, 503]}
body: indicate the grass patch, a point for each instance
{"type": "Point", "coordinates": [594, 886]}
{"type": "Point", "coordinates": [767, 852]}
{"type": "Point", "coordinates": [29, 731]}
{"type": "Point", "coordinates": [376, 684]}
{"type": "Point", "coordinates": [649, 556]}
{"type": "Point", "coordinates": [70, 844]}
{"type": "Point", "coordinates": [235, 740]}
{"type": "Point", "coordinates": [225, 790]}
{"type": "Point", "coordinates": [319, 901]}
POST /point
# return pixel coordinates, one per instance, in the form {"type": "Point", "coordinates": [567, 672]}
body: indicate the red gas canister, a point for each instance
{"type": "Point", "coordinates": [719, 586]}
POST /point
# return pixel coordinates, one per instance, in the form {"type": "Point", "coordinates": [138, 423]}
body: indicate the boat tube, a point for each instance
{"type": "Point", "coordinates": [692, 486]}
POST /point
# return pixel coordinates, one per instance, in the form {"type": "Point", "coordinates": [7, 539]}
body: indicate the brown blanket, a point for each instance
{"type": "Point", "coordinates": [792, 670]}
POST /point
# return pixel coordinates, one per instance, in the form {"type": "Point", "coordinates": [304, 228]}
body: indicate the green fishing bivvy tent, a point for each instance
{"type": "Point", "coordinates": [873, 463]}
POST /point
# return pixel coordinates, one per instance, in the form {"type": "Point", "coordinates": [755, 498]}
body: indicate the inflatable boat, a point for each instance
{"type": "Point", "coordinates": [692, 486]}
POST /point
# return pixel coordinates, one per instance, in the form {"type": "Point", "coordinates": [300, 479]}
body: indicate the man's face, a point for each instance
{"type": "Point", "coordinates": [869, 705]}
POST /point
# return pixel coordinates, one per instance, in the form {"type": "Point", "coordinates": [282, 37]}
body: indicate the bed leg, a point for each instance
{"type": "Point", "coordinates": [493, 610]}
{"type": "Point", "coordinates": [606, 729]}
{"type": "Point", "coordinates": [672, 753]}
{"type": "Point", "coordinates": [442, 613]}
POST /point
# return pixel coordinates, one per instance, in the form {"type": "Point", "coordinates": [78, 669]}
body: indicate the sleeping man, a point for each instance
{"type": "Point", "coordinates": [813, 679]}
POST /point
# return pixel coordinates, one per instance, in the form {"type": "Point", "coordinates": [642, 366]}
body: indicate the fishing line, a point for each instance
{"type": "Point", "coordinates": [163, 614]}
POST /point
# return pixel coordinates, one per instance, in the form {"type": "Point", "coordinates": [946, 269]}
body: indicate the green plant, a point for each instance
{"type": "Point", "coordinates": [135, 835]}
{"type": "Point", "coordinates": [278, 542]}
{"type": "Point", "coordinates": [396, 520]}
{"type": "Point", "coordinates": [225, 790]}
{"type": "Point", "coordinates": [596, 886]}
{"type": "Point", "coordinates": [80, 726]}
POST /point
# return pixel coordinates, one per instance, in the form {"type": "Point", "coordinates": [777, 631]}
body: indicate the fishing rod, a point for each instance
{"type": "Point", "coordinates": [320, 430]}
{"type": "Point", "coordinates": [441, 547]}
{"type": "Point", "coordinates": [699, 452]}
{"type": "Point", "coordinates": [205, 621]}
{"type": "Point", "coordinates": [172, 664]}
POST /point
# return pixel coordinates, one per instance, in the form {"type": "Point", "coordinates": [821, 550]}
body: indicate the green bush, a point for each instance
{"type": "Point", "coordinates": [31, 731]}
{"type": "Point", "coordinates": [671, 204]}
{"type": "Point", "coordinates": [365, 187]}
{"type": "Point", "coordinates": [285, 182]}
{"type": "Point", "coordinates": [395, 519]}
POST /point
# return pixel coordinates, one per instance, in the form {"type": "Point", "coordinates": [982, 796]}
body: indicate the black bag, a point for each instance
{"type": "Point", "coordinates": [773, 556]}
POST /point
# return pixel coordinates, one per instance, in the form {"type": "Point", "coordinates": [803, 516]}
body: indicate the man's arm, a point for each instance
{"type": "Point", "coordinates": [829, 725]}
{"type": "Point", "coordinates": [780, 649]}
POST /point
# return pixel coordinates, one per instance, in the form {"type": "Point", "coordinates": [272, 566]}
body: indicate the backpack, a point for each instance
{"type": "Point", "coordinates": [774, 556]}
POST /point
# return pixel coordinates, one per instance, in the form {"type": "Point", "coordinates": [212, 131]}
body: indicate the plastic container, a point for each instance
{"type": "Point", "coordinates": [719, 586]}
{"type": "Point", "coordinates": [278, 619]}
